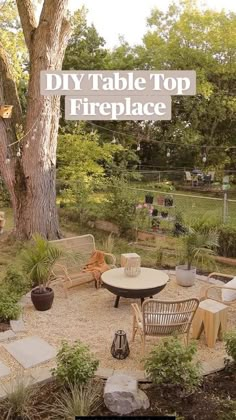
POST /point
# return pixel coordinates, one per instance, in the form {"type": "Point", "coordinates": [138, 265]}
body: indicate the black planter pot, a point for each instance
{"type": "Point", "coordinates": [154, 212]}
{"type": "Point", "coordinates": [149, 199]}
{"type": "Point", "coordinates": [42, 301]}
{"type": "Point", "coordinates": [169, 202]}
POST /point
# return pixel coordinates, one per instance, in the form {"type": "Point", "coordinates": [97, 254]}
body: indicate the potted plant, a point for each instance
{"type": "Point", "coordinates": [155, 224]}
{"type": "Point", "coordinates": [169, 201]}
{"type": "Point", "coordinates": [149, 198]}
{"type": "Point", "coordinates": [38, 261]}
{"type": "Point", "coordinates": [196, 245]}
{"type": "Point", "coordinates": [154, 212]}
{"type": "Point", "coordinates": [164, 214]}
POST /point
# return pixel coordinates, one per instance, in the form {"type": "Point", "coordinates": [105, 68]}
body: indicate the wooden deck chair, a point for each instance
{"type": "Point", "coordinates": [163, 318]}
{"type": "Point", "coordinates": [77, 251]}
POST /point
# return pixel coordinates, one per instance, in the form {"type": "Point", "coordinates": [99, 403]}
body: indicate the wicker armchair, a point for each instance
{"type": "Point", "coordinates": [163, 318]}
{"type": "Point", "coordinates": [215, 291]}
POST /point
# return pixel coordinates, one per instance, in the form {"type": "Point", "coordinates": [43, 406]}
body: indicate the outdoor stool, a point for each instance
{"type": "Point", "coordinates": [211, 316]}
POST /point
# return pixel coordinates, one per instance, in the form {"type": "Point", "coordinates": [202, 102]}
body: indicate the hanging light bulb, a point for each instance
{"type": "Point", "coordinates": [8, 160]}
{"type": "Point", "coordinates": [27, 145]}
{"type": "Point", "coordinates": [18, 153]}
{"type": "Point", "coordinates": [114, 141]}
{"type": "Point", "coordinates": [168, 153]}
{"type": "Point", "coordinates": [35, 130]}
{"type": "Point", "coordinates": [138, 148]}
{"type": "Point", "coordinates": [204, 158]}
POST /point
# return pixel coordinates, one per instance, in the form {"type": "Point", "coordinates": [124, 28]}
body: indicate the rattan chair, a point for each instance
{"type": "Point", "coordinates": [163, 318]}
{"type": "Point", "coordinates": [214, 291]}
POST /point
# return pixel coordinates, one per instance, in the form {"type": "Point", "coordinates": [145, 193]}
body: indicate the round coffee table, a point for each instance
{"type": "Point", "coordinates": [148, 283]}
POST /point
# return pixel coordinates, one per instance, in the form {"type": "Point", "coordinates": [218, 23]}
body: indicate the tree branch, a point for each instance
{"type": "Point", "coordinates": [53, 12]}
{"type": "Point", "coordinates": [28, 20]}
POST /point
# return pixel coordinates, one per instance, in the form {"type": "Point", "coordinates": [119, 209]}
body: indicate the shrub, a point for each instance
{"type": "Point", "coordinates": [227, 241]}
{"type": "Point", "coordinates": [121, 205]}
{"type": "Point", "coordinates": [230, 344]}
{"type": "Point", "coordinates": [15, 282]}
{"type": "Point", "coordinates": [75, 364]}
{"type": "Point", "coordinates": [171, 363]}
{"type": "Point", "coordinates": [9, 308]}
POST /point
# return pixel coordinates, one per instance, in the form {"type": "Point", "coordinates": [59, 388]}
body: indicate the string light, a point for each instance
{"type": "Point", "coordinates": [138, 148]}
{"type": "Point", "coordinates": [204, 158]}
{"type": "Point", "coordinates": [18, 153]}
{"type": "Point", "coordinates": [168, 153]}
{"type": "Point", "coordinates": [114, 141]}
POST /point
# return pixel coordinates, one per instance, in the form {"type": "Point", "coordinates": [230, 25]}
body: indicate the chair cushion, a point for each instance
{"type": "Point", "coordinates": [229, 295]}
{"type": "Point", "coordinates": [162, 319]}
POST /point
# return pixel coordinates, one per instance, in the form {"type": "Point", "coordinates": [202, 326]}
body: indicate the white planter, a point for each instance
{"type": "Point", "coordinates": [185, 277]}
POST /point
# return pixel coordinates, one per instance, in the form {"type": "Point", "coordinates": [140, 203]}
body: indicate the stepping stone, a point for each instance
{"type": "Point", "coordinates": [31, 351]}
{"type": "Point", "coordinates": [6, 335]}
{"type": "Point", "coordinates": [4, 370]}
{"type": "Point", "coordinates": [17, 326]}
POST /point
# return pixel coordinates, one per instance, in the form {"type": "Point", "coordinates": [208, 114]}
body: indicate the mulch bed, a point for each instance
{"type": "Point", "coordinates": [4, 326]}
{"type": "Point", "coordinates": [216, 399]}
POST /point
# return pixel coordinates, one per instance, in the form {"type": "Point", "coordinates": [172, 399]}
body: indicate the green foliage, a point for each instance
{"type": "Point", "coordinates": [38, 260]}
{"type": "Point", "coordinates": [77, 400]}
{"type": "Point", "coordinates": [75, 364]}
{"type": "Point", "coordinates": [9, 308]}
{"type": "Point", "coordinates": [227, 241]}
{"type": "Point", "coordinates": [171, 363]}
{"type": "Point", "coordinates": [198, 246]}
{"type": "Point", "coordinates": [142, 218]}
{"type": "Point", "coordinates": [15, 282]}
{"type": "Point", "coordinates": [19, 401]}
{"type": "Point", "coordinates": [85, 50]}
{"type": "Point", "coordinates": [81, 155]}
{"type": "Point", "coordinates": [121, 205]}
{"type": "Point", "coordinates": [230, 344]}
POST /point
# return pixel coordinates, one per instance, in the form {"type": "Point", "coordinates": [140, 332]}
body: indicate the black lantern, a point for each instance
{"type": "Point", "coordinates": [120, 345]}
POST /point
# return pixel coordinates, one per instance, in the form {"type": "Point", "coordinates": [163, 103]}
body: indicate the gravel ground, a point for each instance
{"type": "Point", "coordinates": [89, 315]}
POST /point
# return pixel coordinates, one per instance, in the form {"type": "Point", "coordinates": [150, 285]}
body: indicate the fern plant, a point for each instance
{"type": "Point", "coordinates": [38, 260]}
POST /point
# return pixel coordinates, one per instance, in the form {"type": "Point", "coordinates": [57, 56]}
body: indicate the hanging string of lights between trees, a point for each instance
{"type": "Point", "coordinates": [115, 140]}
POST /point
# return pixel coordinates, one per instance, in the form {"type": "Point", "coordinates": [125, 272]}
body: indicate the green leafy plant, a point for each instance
{"type": "Point", "coordinates": [75, 364]}
{"type": "Point", "coordinates": [121, 205]}
{"type": "Point", "coordinates": [227, 241]}
{"type": "Point", "coordinates": [9, 308]}
{"type": "Point", "coordinates": [38, 260]}
{"type": "Point", "coordinates": [15, 282]}
{"type": "Point", "coordinates": [198, 246]}
{"type": "Point", "coordinates": [18, 403]}
{"type": "Point", "coordinates": [230, 344]}
{"type": "Point", "coordinates": [171, 363]}
{"type": "Point", "coordinates": [77, 400]}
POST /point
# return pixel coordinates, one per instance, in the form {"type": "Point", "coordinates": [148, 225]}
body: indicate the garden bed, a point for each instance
{"type": "Point", "coordinates": [216, 398]}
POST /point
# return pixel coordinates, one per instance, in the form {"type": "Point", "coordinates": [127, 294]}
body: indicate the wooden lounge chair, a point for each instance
{"type": "Point", "coordinates": [77, 252]}
{"type": "Point", "coordinates": [188, 177]}
{"type": "Point", "coordinates": [225, 294]}
{"type": "Point", "coordinates": [163, 318]}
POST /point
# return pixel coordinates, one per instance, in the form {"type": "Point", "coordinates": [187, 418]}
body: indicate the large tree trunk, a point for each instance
{"type": "Point", "coordinates": [34, 174]}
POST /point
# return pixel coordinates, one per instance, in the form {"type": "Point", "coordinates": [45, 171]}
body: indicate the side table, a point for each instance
{"type": "Point", "coordinates": [211, 316]}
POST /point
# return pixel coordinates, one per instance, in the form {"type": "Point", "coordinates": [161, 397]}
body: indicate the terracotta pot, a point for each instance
{"type": "Point", "coordinates": [185, 277]}
{"type": "Point", "coordinates": [42, 301]}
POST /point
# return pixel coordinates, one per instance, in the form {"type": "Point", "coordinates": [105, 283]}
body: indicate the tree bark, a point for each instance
{"type": "Point", "coordinates": [31, 178]}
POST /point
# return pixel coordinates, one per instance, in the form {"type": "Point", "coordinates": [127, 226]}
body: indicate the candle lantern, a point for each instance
{"type": "Point", "coordinates": [120, 345]}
